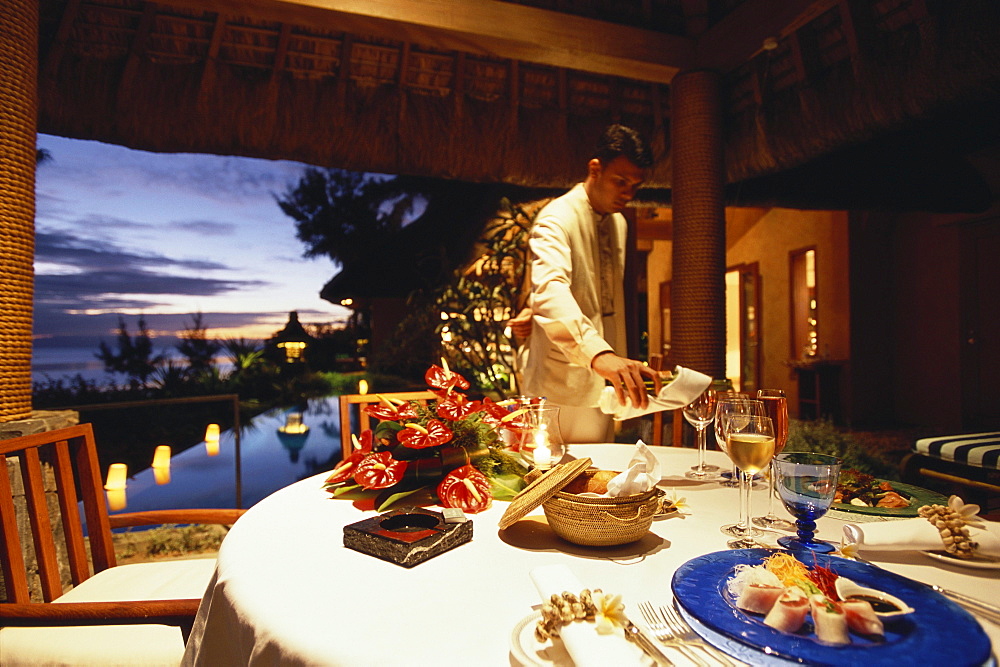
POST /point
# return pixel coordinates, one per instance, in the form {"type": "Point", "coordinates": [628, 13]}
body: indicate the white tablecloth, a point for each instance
{"type": "Point", "coordinates": [286, 591]}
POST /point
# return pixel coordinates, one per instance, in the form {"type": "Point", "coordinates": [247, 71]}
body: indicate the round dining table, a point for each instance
{"type": "Point", "coordinates": [286, 591]}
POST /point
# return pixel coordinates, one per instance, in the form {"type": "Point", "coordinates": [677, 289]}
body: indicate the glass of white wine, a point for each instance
{"type": "Point", "coordinates": [750, 445]}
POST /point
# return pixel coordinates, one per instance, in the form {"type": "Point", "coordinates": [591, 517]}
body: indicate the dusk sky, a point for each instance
{"type": "Point", "coordinates": [125, 232]}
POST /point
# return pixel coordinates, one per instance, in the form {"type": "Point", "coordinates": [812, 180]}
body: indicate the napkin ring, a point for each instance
{"type": "Point", "coordinates": [951, 526]}
{"type": "Point", "coordinates": [562, 610]}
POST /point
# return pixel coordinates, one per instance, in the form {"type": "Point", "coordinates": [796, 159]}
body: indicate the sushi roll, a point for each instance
{"type": "Point", "coordinates": [829, 620]}
{"type": "Point", "coordinates": [789, 611]}
{"type": "Point", "coordinates": [861, 618]}
{"type": "Point", "coordinates": [759, 598]}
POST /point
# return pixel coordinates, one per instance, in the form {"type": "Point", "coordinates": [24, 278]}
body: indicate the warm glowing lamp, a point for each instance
{"type": "Point", "coordinates": [212, 440]}
{"type": "Point", "coordinates": [115, 486]}
{"type": "Point", "coordinates": [293, 424]}
{"type": "Point", "coordinates": [161, 464]}
{"type": "Point", "coordinates": [362, 386]}
{"type": "Point", "coordinates": [542, 455]}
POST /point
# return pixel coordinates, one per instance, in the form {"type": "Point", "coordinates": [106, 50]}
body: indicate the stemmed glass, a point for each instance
{"type": "Point", "coordinates": [699, 413]}
{"type": "Point", "coordinates": [776, 407]}
{"type": "Point", "coordinates": [727, 403]}
{"type": "Point", "coordinates": [807, 483]}
{"type": "Point", "coordinates": [750, 445]}
{"type": "Point", "coordinates": [734, 413]}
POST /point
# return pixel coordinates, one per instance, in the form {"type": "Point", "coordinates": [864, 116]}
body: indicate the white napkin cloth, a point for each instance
{"type": "Point", "coordinates": [581, 639]}
{"type": "Point", "coordinates": [685, 386]}
{"type": "Point", "coordinates": [915, 535]}
{"type": "Point", "coordinates": [643, 474]}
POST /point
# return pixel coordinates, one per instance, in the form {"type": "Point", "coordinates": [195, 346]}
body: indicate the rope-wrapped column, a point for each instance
{"type": "Point", "coordinates": [698, 287]}
{"type": "Point", "coordinates": [18, 112]}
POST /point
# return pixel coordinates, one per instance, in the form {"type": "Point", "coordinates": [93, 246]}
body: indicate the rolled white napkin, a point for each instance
{"type": "Point", "coordinates": [643, 474]}
{"type": "Point", "coordinates": [685, 386]}
{"type": "Point", "coordinates": [581, 639]}
{"type": "Point", "coordinates": [915, 535]}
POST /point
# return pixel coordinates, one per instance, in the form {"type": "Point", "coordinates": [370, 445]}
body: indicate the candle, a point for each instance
{"type": "Point", "coordinates": [212, 440]}
{"type": "Point", "coordinates": [116, 499]}
{"type": "Point", "coordinates": [115, 486]}
{"type": "Point", "coordinates": [161, 464]}
{"type": "Point", "coordinates": [362, 386]}
{"type": "Point", "coordinates": [542, 455]}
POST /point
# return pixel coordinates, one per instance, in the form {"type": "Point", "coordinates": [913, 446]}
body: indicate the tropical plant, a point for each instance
{"type": "Point", "coordinates": [134, 358]}
{"type": "Point", "coordinates": [483, 296]}
{"type": "Point", "coordinates": [197, 347]}
{"type": "Point", "coordinates": [342, 214]}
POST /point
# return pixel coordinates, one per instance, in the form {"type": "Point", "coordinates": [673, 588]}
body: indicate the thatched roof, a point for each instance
{"type": "Point", "coordinates": [515, 91]}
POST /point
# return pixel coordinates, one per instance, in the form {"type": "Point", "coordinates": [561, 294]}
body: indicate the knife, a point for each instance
{"type": "Point", "coordinates": [638, 637]}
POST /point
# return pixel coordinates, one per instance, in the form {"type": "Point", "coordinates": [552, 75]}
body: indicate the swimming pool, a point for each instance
{"type": "Point", "coordinates": [269, 460]}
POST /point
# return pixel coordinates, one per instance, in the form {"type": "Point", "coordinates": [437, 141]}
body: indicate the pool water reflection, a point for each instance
{"type": "Point", "coordinates": [270, 460]}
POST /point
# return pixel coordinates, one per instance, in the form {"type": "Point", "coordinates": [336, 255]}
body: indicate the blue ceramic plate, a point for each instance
{"type": "Point", "coordinates": [937, 628]}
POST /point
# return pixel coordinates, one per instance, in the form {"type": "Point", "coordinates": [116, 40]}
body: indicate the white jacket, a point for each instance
{"type": "Point", "coordinates": [568, 328]}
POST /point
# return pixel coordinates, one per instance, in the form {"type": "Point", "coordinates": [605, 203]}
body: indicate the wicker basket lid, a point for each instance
{"type": "Point", "coordinates": [543, 488]}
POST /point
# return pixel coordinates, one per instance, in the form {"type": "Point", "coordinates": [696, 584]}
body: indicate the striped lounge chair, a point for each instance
{"type": "Point", "coordinates": [970, 460]}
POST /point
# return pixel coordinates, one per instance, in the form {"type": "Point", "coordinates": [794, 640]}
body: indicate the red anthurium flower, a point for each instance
{"type": "Point", "coordinates": [467, 489]}
{"type": "Point", "coordinates": [457, 407]}
{"type": "Point", "coordinates": [492, 413]}
{"type": "Point", "coordinates": [386, 410]}
{"type": "Point", "coordinates": [439, 378]}
{"type": "Point", "coordinates": [420, 437]}
{"type": "Point", "coordinates": [378, 471]}
{"type": "Point", "coordinates": [346, 468]}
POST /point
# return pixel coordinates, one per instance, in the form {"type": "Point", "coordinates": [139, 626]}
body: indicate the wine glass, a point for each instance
{"type": "Point", "coordinates": [699, 413]}
{"type": "Point", "coordinates": [806, 483]}
{"type": "Point", "coordinates": [750, 445]}
{"type": "Point", "coordinates": [727, 403]}
{"type": "Point", "coordinates": [734, 413]}
{"type": "Point", "coordinates": [776, 407]}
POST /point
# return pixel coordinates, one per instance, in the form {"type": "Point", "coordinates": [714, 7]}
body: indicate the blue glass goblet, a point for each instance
{"type": "Point", "coordinates": [806, 484]}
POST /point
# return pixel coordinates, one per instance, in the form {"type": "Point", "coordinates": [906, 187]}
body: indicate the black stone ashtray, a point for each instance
{"type": "Point", "coordinates": [406, 536]}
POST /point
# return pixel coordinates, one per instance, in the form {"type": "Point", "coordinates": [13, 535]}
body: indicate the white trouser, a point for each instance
{"type": "Point", "coordinates": [583, 425]}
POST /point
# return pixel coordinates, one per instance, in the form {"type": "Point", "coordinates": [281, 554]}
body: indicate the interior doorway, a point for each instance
{"type": "Point", "coordinates": [743, 327]}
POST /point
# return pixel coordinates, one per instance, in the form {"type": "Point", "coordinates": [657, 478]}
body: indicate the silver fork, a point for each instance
{"type": "Point", "coordinates": [665, 635]}
{"type": "Point", "coordinates": [682, 631]}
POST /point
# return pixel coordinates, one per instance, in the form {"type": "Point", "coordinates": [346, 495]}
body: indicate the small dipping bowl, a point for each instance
{"type": "Point", "coordinates": [884, 605]}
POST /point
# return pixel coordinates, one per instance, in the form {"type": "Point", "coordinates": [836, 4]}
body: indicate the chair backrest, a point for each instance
{"type": "Point", "coordinates": [364, 420]}
{"type": "Point", "coordinates": [72, 454]}
{"type": "Point", "coordinates": [656, 362]}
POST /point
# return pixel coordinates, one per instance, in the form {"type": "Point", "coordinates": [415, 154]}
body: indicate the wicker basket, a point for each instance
{"type": "Point", "coordinates": [601, 522]}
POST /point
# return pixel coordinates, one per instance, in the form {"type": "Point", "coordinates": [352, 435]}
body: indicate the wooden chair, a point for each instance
{"type": "Point", "coordinates": [134, 613]}
{"type": "Point", "coordinates": [364, 421]}
{"type": "Point", "coordinates": [656, 363]}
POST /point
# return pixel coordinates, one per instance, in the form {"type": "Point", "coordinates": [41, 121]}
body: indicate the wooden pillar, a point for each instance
{"type": "Point", "coordinates": [18, 112]}
{"type": "Point", "coordinates": [698, 290]}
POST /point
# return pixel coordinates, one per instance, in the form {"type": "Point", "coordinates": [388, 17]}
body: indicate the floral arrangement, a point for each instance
{"type": "Point", "coordinates": [452, 445]}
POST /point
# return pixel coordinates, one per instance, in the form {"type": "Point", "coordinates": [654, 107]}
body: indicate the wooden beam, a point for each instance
{"type": "Point", "coordinates": [487, 27]}
{"type": "Point", "coordinates": [741, 34]}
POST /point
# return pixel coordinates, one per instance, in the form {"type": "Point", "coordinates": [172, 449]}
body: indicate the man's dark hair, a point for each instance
{"type": "Point", "coordinates": [619, 140]}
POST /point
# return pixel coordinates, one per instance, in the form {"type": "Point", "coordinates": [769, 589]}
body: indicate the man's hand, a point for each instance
{"type": "Point", "coordinates": [520, 324]}
{"type": "Point", "coordinates": [625, 375]}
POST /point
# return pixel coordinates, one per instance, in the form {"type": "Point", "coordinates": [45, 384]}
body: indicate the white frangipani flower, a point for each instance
{"type": "Point", "coordinates": [610, 612]}
{"type": "Point", "coordinates": [967, 512]}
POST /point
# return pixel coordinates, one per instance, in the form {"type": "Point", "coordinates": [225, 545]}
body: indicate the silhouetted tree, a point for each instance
{"type": "Point", "coordinates": [134, 358]}
{"type": "Point", "coordinates": [343, 214]}
{"type": "Point", "coordinates": [197, 347]}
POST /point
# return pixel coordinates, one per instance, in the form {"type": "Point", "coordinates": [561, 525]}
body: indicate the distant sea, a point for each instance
{"type": "Point", "coordinates": [64, 363]}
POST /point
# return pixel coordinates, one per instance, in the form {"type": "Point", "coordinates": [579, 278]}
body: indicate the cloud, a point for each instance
{"type": "Point", "coordinates": [205, 227]}
{"type": "Point", "coordinates": [69, 249]}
